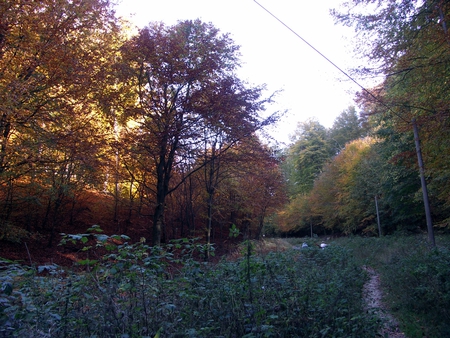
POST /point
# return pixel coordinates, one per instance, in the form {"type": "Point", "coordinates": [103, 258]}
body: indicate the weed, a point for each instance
{"type": "Point", "coordinates": [130, 293]}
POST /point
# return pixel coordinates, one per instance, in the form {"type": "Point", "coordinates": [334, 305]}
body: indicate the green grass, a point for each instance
{"type": "Point", "coordinates": [415, 279]}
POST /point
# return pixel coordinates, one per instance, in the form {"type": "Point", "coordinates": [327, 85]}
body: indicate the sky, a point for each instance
{"type": "Point", "coordinates": [273, 55]}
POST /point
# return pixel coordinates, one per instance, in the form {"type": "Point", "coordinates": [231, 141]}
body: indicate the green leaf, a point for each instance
{"type": "Point", "coordinates": [7, 288]}
{"type": "Point", "coordinates": [110, 247]}
{"type": "Point", "coordinates": [102, 238]}
{"type": "Point", "coordinates": [95, 228]}
{"type": "Point", "coordinates": [158, 334]}
{"type": "Point", "coordinates": [88, 262]}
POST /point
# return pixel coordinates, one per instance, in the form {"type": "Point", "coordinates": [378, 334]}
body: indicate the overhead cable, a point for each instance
{"type": "Point", "coordinates": [327, 59]}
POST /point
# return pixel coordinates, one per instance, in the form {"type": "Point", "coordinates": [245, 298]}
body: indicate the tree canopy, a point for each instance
{"type": "Point", "coordinates": [89, 109]}
{"type": "Point", "coordinates": [153, 132]}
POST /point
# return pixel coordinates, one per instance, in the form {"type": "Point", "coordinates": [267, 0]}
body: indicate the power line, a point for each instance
{"type": "Point", "coordinates": [416, 135]}
{"type": "Point", "coordinates": [327, 59]}
{"type": "Point", "coordinates": [310, 45]}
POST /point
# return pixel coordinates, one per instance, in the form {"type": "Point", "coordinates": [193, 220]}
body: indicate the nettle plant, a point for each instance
{"type": "Point", "coordinates": [128, 292]}
{"type": "Point", "coordinates": [135, 290]}
{"type": "Point", "coordinates": [122, 254]}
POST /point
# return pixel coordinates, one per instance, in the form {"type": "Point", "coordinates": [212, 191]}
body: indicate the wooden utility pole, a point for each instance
{"type": "Point", "coordinates": [378, 216]}
{"type": "Point", "coordinates": [424, 185]}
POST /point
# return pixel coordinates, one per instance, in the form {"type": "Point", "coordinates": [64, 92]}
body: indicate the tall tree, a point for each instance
{"type": "Point", "coordinates": [46, 54]}
{"type": "Point", "coordinates": [346, 127]}
{"type": "Point", "coordinates": [174, 69]}
{"type": "Point", "coordinates": [306, 157]}
{"type": "Point", "coordinates": [409, 43]}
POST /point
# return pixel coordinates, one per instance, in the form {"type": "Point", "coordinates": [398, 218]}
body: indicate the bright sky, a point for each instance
{"type": "Point", "coordinates": [272, 54]}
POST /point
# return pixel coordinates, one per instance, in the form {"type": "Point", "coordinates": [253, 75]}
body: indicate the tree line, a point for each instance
{"type": "Point", "coordinates": [152, 130]}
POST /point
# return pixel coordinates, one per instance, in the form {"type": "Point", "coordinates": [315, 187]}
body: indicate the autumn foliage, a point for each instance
{"type": "Point", "coordinates": [100, 126]}
{"type": "Point", "coordinates": [153, 135]}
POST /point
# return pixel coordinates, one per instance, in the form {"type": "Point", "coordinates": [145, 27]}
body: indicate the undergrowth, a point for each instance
{"type": "Point", "coordinates": [415, 279]}
{"type": "Point", "coordinates": [141, 291]}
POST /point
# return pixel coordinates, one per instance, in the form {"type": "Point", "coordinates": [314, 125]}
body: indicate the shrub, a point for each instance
{"type": "Point", "coordinates": [12, 233]}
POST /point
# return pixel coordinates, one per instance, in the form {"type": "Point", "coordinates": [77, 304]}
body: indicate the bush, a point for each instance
{"type": "Point", "coordinates": [11, 233]}
{"type": "Point", "coordinates": [420, 287]}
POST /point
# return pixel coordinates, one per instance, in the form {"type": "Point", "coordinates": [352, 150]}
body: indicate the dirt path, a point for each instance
{"type": "Point", "coordinates": [373, 297]}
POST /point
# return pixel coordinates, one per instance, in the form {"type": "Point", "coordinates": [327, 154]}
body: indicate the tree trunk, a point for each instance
{"type": "Point", "coordinates": [209, 223]}
{"type": "Point", "coordinates": [162, 187]}
{"type": "Point", "coordinates": [5, 129]}
{"type": "Point", "coordinates": [260, 226]}
{"type": "Point", "coordinates": [158, 224]}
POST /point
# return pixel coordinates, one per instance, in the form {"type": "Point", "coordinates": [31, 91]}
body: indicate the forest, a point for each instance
{"type": "Point", "coordinates": [117, 142]}
{"type": "Point", "coordinates": [337, 178]}
{"type": "Point", "coordinates": [150, 133]}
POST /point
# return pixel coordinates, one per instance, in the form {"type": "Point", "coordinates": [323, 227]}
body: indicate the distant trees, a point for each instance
{"type": "Point", "coordinates": [334, 201]}
{"type": "Point", "coordinates": [347, 127]}
{"type": "Point", "coordinates": [306, 157]}
{"type": "Point", "coordinates": [408, 44]}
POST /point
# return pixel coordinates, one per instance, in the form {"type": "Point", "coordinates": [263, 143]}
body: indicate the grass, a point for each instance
{"type": "Point", "coordinates": [415, 279]}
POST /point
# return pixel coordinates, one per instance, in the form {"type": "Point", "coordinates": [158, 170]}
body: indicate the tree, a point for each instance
{"type": "Point", "coordinates": [409, 43]}
{"type": "Point", "coordinates": [261, 186]}
{"type": "Point", "coordinates": [174, 69]}
{"type": "Point", "coordinates": [337, 198]}
{"type": "Point", "coordinates": [44, 61]}
{"type": "Point", "coordinates": [212, 174]}
{"type": "Point", "coordinates": [346, 127]}
{"type": "Point", "coordinates": [249, 189]}
{"type": "Point", "coordinates": [54, 57]}
{"type": "Point", "coordinates": [401, 203]}
{"type": "Point", "coordinates": [307, 156]}
{"type": "Point", "coordinates": [295, 217]}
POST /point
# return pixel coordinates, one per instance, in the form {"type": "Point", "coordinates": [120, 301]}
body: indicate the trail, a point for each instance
{"type": "Point", "coordinates": [373, 297]}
